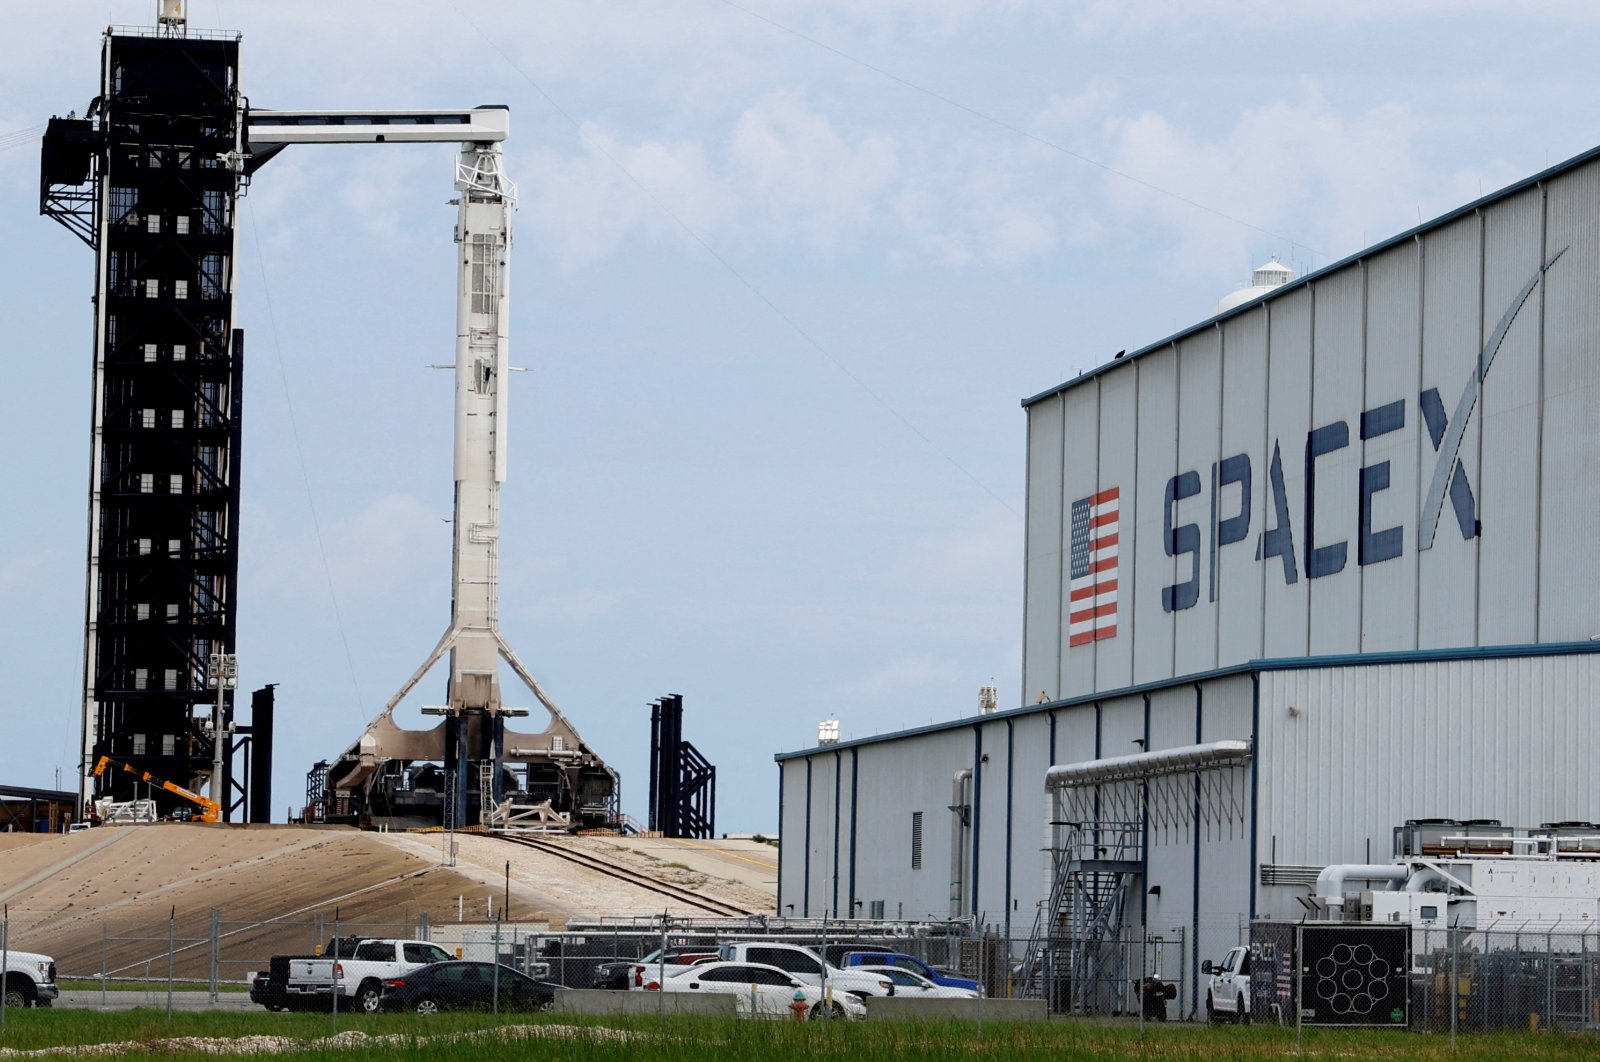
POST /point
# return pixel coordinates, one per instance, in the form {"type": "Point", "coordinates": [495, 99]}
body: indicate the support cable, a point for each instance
{"type": "Point", "coordinates": [305, 474]}
{"type": "Point", "coordinates": [1008, 127]}
{"type": "Point", "coordinates": [728, 266]}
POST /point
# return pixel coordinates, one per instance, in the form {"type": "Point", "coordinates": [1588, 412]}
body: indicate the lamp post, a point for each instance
{"type": "Point", "coordinates": [222, 672]}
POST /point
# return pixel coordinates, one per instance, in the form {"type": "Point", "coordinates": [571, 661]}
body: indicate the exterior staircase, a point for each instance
{"type": "Point", "coordinates": [1076, 959]}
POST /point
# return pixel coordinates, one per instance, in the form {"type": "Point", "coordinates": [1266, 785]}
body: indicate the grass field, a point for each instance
{"type": "Point", "coordinates": [481, 1038]}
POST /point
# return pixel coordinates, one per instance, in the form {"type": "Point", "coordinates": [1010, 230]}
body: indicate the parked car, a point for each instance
{"type": "Point", "coordinates": [808, 966]}
{"type": "Point", "coordinates": [1228, 987]}
{"type": "Point", "coordinates": [640, 972]}
{"type": "Point", "coordinates": [835, 953]}
{"type": "Point", "coordinates": [761, 991]}
{"type": "Point", "coordinates": [916, 986]}
{"type": "Point", "coordinates": [912, 963]}
{"type": "Point", "coordinates": [29, 979]}
{"type": "Point", "coordinates": [357, 966]}
{"type": "Point", "coordinates": [465, 986]}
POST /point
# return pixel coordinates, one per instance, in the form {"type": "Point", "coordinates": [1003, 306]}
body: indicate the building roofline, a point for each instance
{"type": "Point", "coordinates": [1410, 234]}
{"type": "Point", "coordinates": [1287, 663]}
{"type": "Point", "coordinates": [22, 792]}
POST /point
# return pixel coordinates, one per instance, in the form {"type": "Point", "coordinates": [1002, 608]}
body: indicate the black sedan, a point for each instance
{"type": "Point", "coordinates": [465, 986]}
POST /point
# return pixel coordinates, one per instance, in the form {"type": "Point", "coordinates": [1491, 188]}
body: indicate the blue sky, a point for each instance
{"type": "Point", "coordinates": [783, 272]}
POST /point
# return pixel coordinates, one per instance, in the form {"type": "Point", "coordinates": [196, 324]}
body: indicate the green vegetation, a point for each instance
{"type": "Point", "coordinates": [483, 1038]}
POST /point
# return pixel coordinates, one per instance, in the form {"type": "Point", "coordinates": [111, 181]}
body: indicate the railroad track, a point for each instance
{"type": "Point", "coordinates": [637, 878]}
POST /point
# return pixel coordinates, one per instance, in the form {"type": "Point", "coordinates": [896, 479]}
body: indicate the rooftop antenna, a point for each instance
{"type": "Point", "coordinates": [171, 18]}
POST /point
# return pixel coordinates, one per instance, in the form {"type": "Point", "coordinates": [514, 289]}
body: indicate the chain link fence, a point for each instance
{"type": "Point", "coordinates": [1436, 980]}
{"type": "Point", "coordinates": [1307, 973]}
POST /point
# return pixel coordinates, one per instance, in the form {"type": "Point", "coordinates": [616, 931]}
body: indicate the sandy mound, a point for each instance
{"type": "Point", "coordinates": [105, 896]}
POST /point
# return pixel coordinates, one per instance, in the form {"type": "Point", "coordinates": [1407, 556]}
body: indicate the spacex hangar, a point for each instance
{"type": "Point", "coordinates": [1321, 564]}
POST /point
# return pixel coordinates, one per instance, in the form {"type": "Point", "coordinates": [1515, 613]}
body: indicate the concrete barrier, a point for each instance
{"type": "Point", "coordinates": [908, 1008]}
{"type": "Point", "coordinates": [595, 1001]}
{"type": "Point", "coordinates": [91, 999]}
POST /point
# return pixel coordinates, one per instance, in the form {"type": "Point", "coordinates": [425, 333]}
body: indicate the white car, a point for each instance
{"type": "Point", "coordinates": [915, 986]}
{"type": "Point", "coordinates": [761, 991]}
{"type": "Point", "coordinates": [1228, 989]}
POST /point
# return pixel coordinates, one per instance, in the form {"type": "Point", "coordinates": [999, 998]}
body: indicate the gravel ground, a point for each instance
{"type": "Point", "coordinates": [350, 1041]}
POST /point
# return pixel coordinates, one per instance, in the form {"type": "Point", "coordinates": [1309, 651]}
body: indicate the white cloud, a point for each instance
{"type": "Point", "coordinates": [1298, 170]}
{"type": "Point", "coordinates": [390, 541]}
{"type": "Point", "coordinates": [977, 210]}
{"type": "Point", "coordinates": [587, 204]}
{"type": "Point", "coordinates": [1099, 15]}
{"type": "Point", "coordinates": [374, 190]}
{"type": "Point", "coordinates": [802, 171]}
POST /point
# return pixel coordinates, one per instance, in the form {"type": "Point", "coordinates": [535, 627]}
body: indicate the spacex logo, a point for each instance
{"type": "Point", "coordinates": [1231, 519]}
{"type": "Point", "coordinates": [1092, 611]}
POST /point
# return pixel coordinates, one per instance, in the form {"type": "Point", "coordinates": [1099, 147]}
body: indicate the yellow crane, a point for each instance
{"type": "Point", "coordinates": [210, 810]}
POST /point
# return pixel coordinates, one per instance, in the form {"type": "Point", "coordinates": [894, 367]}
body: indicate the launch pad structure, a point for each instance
{"type": "Point", "coordinates": [150, 178]}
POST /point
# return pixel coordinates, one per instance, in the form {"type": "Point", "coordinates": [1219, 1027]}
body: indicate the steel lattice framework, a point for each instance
{"type": "Point", "coordinates": [150, 179]}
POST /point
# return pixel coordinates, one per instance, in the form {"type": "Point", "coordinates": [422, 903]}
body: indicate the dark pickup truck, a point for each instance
{"type": "Point", "coordinates": [350, 978]}
{"type": "Point", "coordinates": [270, 989]}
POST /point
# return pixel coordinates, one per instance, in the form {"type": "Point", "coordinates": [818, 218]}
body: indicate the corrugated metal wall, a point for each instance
{"type": "Point", "coordinates": [1369, 747]}
{"type": "Point", "coordinates": [1005, 873]}
{"type": "Point", "coordinates": [1368, 377]}
{"type": "Point", "coordinates": [1342, 756]}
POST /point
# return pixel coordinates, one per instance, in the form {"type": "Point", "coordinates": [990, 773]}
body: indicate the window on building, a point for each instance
{"type": "Point", "coordinates": [177, 418]}
{"type": "Point", "coordinates": [149, 352]}
{"type": "Point", "coordinates": [174, 484]}
{"type": "Point", "coordinates": [141, 679]}
{"type": "Point", "coordinates": [148, 418]}
{"type": "Point", "coordinates": [123, 200]}
{"type": "Point", "coordinates": [180, 351]}
{"type": "Point", "coordinates": [144, 547]}
{"type": "Point", "coordinates": [172, 613]}
{"type": "Point", "coordinates": [147, 483]}
{"type": "Point", "coordinates": [180, 224]}
{"type": "Point", "coordinates": [215, 212]}
{"type": "Point", "coordinates": [152, 223]}
{"type": "Point", "coordinates": [152, 289]}
{"type": "Point", "coordinates": [169, 682]}
{"type": "Point", "coordinates": [174, 547]}
{"type": "Point", "coordinates": [169, 744]}
{"type": "Point", "coordinates": [180, 289]}
{"type": "Point", "coordinates": [138, 739]}
{"type": "Point", "coordinates": [211, 276]}
{"type": "Point", "coordinates": [916, 840]}
{"type": "Point", "coordinates": [141, 611]}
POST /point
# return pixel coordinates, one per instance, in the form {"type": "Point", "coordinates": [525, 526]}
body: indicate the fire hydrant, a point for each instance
{"type": "Point", "coordinates": [798, 1007]}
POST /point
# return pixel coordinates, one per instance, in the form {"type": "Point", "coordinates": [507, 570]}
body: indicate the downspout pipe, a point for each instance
{"type": "Point", "coordinates": [1330, 883]}
{"type": "Point", "coordinates": [959, 811]}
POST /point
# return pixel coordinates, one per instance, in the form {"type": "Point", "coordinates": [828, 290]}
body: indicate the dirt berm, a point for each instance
{"type": "Point", "coordinates": [103, 898]}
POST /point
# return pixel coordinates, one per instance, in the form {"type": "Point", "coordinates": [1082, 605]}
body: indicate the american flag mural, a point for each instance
{"type": "Point", "coordinates": [1092, 592]}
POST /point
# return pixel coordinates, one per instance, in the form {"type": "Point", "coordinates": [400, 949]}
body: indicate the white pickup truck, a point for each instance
{"type": "Point", "coordinates": [30, 979]}
{"type": "Point", "coordinates": [1228, 987]}
{"type": "Point", "coordinates": [805, 964]}
{"type": "Point", "coordinates": [358, 972]}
